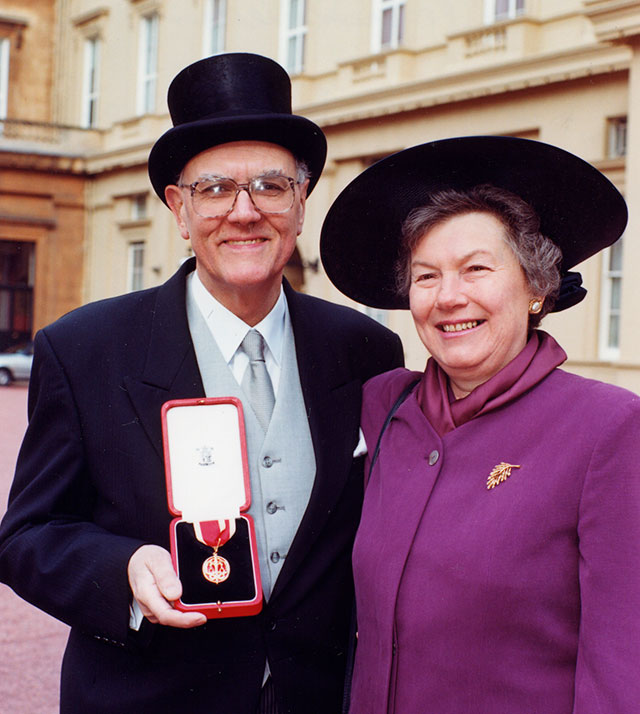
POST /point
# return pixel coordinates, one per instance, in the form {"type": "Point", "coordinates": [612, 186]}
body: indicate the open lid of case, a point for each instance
{"type": "Point", "coordinates": [205, 457]}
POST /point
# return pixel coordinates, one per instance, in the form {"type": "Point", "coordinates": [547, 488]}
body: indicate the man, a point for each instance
{"type": "Point", "coordinates": [87, 530]}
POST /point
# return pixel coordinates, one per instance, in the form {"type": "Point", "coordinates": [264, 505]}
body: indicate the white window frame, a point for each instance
{"type": "Point", "coordinates": [147, 63]}
{"type": "Point", "coordinates": [397, 8]}
{"type": "Point", "coordinates": [90, 83]}
{"type": "Point", "coordinates": [135, 272]}
{"type": "Point", "coordinates": [214, 27]}
{"type": "Point", "coordinates": [513, 11]}
{"type": "Point", "coordinates": [607, 351]}
{"type": "Point", "coordinates": [293, 34]}
{"type": "Point", "coordinates": [5, 44]}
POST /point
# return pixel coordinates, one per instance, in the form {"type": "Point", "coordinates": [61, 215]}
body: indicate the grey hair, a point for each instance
{"type": "Point", "coordinates": [302, 171]}
{"type": "Point", "coordinates": [539, 257]}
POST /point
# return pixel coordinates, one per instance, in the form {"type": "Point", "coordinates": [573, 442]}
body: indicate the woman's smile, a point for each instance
{"type": "Point", "coordinates": [459, 327]}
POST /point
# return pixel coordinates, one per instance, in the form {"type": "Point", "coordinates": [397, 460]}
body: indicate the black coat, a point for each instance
{"type": "Point", "coordinates": [90, 489]}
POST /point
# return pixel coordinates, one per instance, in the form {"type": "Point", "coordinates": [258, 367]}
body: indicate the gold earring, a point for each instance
{"type": "Point", "coordinates": [535, 306]}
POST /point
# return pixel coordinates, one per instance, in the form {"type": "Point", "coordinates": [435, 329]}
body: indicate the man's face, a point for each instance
{"type": "Point", "coordinates": [245, 251]}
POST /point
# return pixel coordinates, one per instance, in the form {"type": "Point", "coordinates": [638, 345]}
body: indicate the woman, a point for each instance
{"type": "Point", "coordinates": [497, 564]}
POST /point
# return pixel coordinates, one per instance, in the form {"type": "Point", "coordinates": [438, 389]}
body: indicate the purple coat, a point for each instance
{"type": "Point", "coordinates": [522, 599]}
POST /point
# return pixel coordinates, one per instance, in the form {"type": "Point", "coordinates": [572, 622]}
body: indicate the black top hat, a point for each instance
{"type": "Point", "coordinates": [579, 209]}
{"type": "Point", "coordinates": [232, 97]}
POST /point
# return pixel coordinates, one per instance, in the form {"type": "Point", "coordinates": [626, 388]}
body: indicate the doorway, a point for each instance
{"type": "Point", "coordinates": [17, 270]}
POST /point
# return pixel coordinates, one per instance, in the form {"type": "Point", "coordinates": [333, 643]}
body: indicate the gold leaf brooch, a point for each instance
{"type": "Point", "coordinates": [500, 473]}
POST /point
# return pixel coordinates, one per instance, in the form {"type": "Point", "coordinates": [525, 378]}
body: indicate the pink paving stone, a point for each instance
{"type": "Point", "coordinates": [31, 642]}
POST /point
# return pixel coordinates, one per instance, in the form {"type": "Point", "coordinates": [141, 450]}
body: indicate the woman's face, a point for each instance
{"type": "Point", "coordinates": [469, 298]}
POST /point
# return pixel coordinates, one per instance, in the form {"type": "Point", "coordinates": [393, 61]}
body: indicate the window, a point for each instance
{"type": "Point", "coordinates": [611, 302]}
{"type": "Point", "coordinates": [214, 26]}
{"type": "Point", "coordinates": [139, 207]}
{"type": "Point", "coordinates": [388, 24]}
{"type": "Point", "coordinates": [147, 64]}
{"type": "Point", "coordinates": [4, 76]}
{"type": "Point", "coordinates": [90, 82]}
{"type": "Point", "coordinates": [495, 10]}
{"type": "Point", "coordinates": [381, 316]}
{"type": "Point", "coordinates": [136, 266]}
{"type": "Point", "coordinates": [616, 137]}
{"type": "Point", "coordinates": [293, 35]}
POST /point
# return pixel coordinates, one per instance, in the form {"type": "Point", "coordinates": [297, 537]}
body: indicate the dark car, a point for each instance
{"type": "Point", "coordinates": [15, 363]}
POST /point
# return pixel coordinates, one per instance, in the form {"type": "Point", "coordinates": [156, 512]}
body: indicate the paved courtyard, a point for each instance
{"type": "Point", "coordinates": [31, 642]}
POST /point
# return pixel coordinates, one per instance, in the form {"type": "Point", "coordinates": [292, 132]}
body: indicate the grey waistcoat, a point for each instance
{"type": "Point", "coordinates": [282, 463]}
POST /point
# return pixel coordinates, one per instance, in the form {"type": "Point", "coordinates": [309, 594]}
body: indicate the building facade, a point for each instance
{"type": "Point", "coordinates": [42, 181]}
{"type": "Point", "coordinates": [377, 76]}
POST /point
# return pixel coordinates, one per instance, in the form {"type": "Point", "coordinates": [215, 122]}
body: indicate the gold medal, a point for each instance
{"type": "Point", "coordinates": [216, 569]}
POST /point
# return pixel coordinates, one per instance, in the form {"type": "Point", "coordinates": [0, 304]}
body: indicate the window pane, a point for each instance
{"type": "Point", "coordinates": [502, 8]}
{"type": "Point", "coordinates": [615, 257]}
{"type": "Point", "coordinates": [291, 55]}
{"type": "Point", "coordinates": [136, 265]}
{"type": "Point", "coordinates": [152, 43]}
{"type": "Point", "coordinates": [5, 310]}
{"type": "Point", "coordinates": [612, 301]}
{"type": "Point", "coordinates": [385, 37]}
{"type": "Point", "coordinates": [90, 89]}
{"type": "Point", "coordinates": [294, 11]}
{"type": "Point", "coordinates": [93, 56]}
{"type": "Point", "coordinates": [148, 63]}
{"type": "Point", "coordinates": [91, 113]}
{"type": "Point", "coordinates": [4, 77]}
{"type": "Point", "coordinates": [139, 207]}
{"type": "Point", "coordinates": [381, 316]}
{"type": "Point", "coordinates": [292, 42]}
{"type": "Point", "coordinates": [216, 12]}
{"type": "Point", "coordinates": [22, 310]}
{"type": "Point", "coordinates": [617, 139]}
{"type": "Point", "coordinates": [616, 290]}
{"type": "Point", "coordinates": [614, 331]}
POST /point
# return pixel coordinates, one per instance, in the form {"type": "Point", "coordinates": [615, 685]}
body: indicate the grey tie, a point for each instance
{"type": "Point", "coordinates": [256, 382]}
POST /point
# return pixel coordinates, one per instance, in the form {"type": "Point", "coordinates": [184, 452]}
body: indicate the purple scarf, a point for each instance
{"type": "Point", "coordinates": [540, 356]}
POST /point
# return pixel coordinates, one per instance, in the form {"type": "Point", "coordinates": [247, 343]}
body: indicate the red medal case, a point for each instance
{"type": "Point", "coordinates": [213, 542]}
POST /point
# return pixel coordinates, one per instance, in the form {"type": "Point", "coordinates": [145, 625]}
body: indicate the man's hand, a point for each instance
{"type": "Point", "coordinates": [156, 586]}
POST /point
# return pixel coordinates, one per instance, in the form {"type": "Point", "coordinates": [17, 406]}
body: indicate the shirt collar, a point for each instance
{"type": "Point", "coordinates": [229, 330]}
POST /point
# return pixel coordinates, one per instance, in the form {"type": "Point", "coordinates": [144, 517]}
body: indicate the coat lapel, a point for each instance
{"type": "Point", "coordinates": [171, 370]}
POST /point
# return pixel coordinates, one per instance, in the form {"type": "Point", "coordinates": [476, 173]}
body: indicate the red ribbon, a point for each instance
{"type": "Point", "coordinates": [214, 533]}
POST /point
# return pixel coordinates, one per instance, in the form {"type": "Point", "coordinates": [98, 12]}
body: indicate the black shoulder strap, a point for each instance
{"type": "Point", "coordinates": [403, 395]}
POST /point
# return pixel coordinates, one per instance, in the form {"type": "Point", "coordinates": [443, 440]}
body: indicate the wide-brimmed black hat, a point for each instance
{"type": "Point", "coordinates": [232, 97]}
{"type": "Point", "coordinates": [579, 208]}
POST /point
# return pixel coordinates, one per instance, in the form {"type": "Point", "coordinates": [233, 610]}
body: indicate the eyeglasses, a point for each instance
{"type": "Point", "coordinates": [216, 197]}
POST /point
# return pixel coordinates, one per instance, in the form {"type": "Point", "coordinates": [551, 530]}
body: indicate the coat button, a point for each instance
{"type": "Point", "coordinates": [275, 557]}
{"type": "Point", "coordinates": [271, 507]}
{"type": "Point", "coordinates": [433, 457]}
{"type": "Point", "coordinates": [267, 462]}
